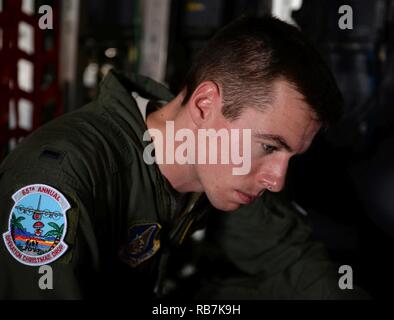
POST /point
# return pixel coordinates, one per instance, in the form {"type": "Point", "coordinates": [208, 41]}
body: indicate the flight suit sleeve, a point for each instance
{"type": "Point", "coordinates": [264, 251]}
{"type": "Point", "coordinates": [44, 221]}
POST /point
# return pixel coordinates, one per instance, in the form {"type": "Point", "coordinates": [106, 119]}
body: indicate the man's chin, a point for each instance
{"type": "Point", "coordinates": [227, 207]}
{"type": "Point", "coordinates": [221, 204]}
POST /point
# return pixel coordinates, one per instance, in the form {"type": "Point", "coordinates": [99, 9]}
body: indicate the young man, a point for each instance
{"type": "Point", "coordinates": [81, 196]}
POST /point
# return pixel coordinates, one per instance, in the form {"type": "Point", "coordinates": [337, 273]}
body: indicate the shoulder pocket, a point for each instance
{"type": "Point", "coordinates": [40, 217]}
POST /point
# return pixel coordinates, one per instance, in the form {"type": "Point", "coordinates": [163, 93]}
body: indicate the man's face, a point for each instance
{"type": "Point", "coordinates": [284, 129]}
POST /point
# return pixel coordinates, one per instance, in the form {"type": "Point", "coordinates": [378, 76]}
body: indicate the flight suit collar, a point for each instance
{"type": "Point", "coordinates": [122, 84]}
{"type": "Point", "coordinates": [115, 96]}
{"type": "Point", "coordinates": [117, 86]}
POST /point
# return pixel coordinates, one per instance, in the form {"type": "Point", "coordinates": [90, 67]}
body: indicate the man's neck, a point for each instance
{"type": "Point", "coordinates": [182, 177]}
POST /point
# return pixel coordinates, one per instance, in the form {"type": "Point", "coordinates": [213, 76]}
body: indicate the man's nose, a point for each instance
{"type": "Point", "coordinates": [272, 176]}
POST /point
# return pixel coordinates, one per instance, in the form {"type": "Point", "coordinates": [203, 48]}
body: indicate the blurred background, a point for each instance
{"type": "Point", "coordinates": [344, 183]}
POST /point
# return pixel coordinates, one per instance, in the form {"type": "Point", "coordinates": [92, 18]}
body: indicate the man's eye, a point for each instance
{"type": "Point", "coordinates": [268, 149]}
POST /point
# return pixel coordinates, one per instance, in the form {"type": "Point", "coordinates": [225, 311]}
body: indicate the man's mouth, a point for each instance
{"type": "Point", "coordinates": [246, 198]}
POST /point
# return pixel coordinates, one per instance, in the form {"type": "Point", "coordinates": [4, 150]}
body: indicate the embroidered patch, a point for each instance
{"type": "Point", "coordinates": [142, 244]}
{"type": "Point", "coordinates": [37, 225]}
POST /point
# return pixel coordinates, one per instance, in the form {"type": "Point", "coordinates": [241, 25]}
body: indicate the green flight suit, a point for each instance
{"type": "Point", "coordinates": [265, 251]}
{"type": "Point", "coordinates": [94, 158]}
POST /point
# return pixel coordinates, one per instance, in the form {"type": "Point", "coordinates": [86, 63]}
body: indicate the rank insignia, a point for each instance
{"type": "Point", "coordinates": [142, 244]}
{"type": "Point", "coordinates": [37, 225]}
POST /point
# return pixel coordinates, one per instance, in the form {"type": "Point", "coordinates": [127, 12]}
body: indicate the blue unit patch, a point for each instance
{"type": "Point", "coordinates": [142, 243]}
{"type": "Point", "coordinates": [37, 225]}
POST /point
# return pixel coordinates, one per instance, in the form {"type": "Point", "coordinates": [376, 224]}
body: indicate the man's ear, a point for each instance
{"type": "Point", "coordinates": [204, 102]}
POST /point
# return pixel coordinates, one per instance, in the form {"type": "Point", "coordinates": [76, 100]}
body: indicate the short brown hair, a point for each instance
{"type": "Point", "coordinates": [248, 55]}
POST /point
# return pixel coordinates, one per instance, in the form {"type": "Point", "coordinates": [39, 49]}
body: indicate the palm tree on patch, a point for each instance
{"type": "Point", "coordinates": [16, 224]}
{"type": "Point", "coordinates": [57, 232]}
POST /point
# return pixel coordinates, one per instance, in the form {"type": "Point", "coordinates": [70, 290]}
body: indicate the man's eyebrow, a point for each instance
{"type": "Point", "coordinates": [278, 139]}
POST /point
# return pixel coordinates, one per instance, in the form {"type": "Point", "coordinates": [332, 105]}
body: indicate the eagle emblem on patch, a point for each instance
{"type": "Point", "coordinates": [37, 225]}
{"type": "Point", "coordinates": [142, 243]}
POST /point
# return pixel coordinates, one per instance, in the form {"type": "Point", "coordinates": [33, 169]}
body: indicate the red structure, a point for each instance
{"type": "Point", "coordinates": [45, 96]}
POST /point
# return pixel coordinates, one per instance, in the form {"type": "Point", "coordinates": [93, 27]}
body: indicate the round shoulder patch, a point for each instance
{"type": "Point", "coordinates": [37, 225]}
